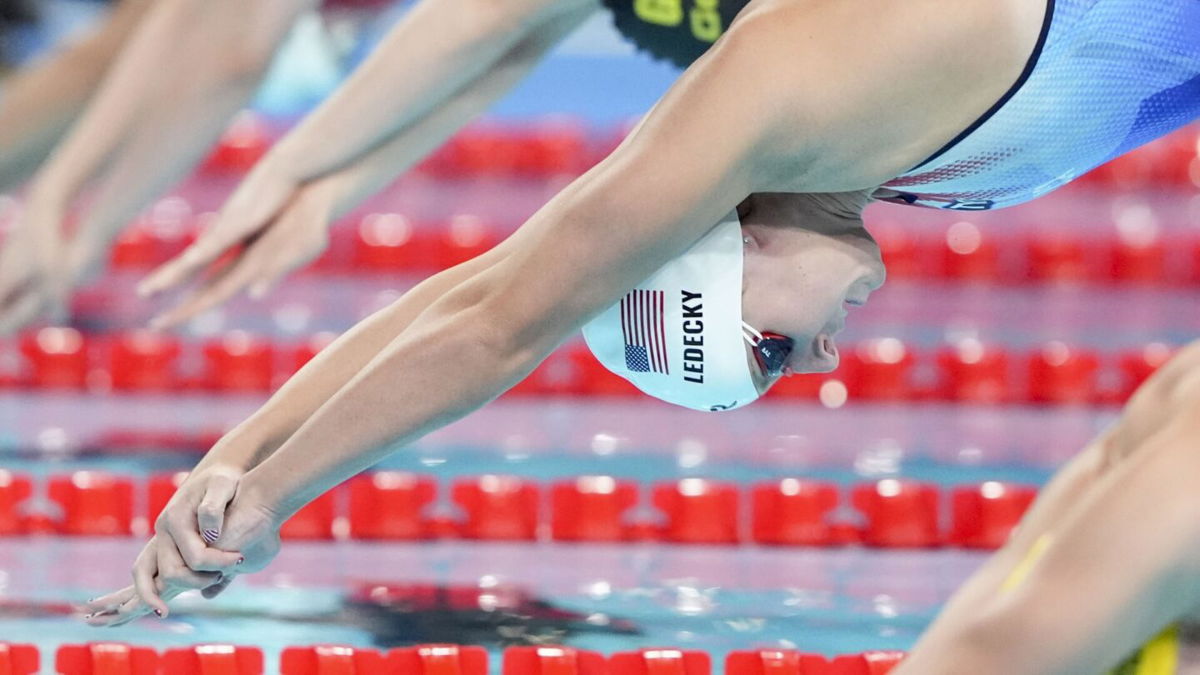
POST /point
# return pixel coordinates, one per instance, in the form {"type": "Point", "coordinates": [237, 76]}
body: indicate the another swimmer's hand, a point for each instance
{"type": "Point", "coordinates": [279, 226]}
{"type": "Point", "coordinates": [35, 279]}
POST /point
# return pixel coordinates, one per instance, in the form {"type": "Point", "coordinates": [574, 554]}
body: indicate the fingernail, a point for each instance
{"type": "Point", "coordinates": [158, 612]}
{"type": "Point", "coordinates": [88, 616]}
{"type": "Point", "coordinates": [240, 561]}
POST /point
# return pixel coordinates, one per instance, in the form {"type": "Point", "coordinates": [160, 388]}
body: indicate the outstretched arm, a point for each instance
{"type": "Point", "coordinates": [599, 237]}
{"type": "Point", "coordinates": [188, 66]}
{"type": "Point", "coordinates": [295, 229]}
{"type": "Point", "coordinates": [445, 62]}
{"type": "Point", "coordinates": [42, 100]}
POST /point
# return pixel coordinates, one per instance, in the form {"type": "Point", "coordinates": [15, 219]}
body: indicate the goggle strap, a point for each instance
{"type": "Point", "coordinates": [752, 336]}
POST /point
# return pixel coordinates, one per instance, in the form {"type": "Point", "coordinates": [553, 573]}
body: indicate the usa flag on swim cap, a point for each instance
{"type": "Point", "coordinates": [645, 336]}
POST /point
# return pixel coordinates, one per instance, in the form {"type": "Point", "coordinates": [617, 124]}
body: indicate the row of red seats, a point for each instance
{"type": "Point", "coordinates": [108, 657]}
{"type": "Point", "coordinates": [397, 506]}
{"type": "Point", "coordinates": [550, 147]}
{"type": "Point", "coordinates": [391, 243]}
{"type": "Point", "coordinates": [563, 145]}
{"type": "Point", "coordinates": [884, 369]}
{"type": "Point", "coordinates": [967, 252]}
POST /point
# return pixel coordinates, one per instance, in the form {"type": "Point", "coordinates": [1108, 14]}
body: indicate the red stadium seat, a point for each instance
{"type": "Point", "coordinates": [58, 358]}
{"type": "Point", "coordinates": [213, 660]}
{"type": "Point", "coordinates": [14, 490]}
{"type": "Point", "coordinates": [1062, 374]}
{"type": "Point", "coordinates": [899, 514]}
{"type": "Point", "coordinates": [983, 516]}
{"type": "Point", "coordinates": [144, 361]}
{"type": "Point", "coordinates": [1137, 259]}
{"type": "Point", "coordinates": [331, 660]}
{"type": "Point", "coordinates": [793, 512]}
{"type": "Point", "coordinates": [390, 505]}
{"type": "Point", "coordinates": [497, 507]}
{"type": "Point", "coordinates": [19, 659]}
{"type": "Point", "coordinates": [904, 255]}
{"type": "Point", "coordinates": [591, 508]}
{"type": "Point", "coordinates": [484, 150]}
{"type": "Point", "coordinates": [241, 146]}
{"type": "Point", "coordinates": [106, 658]}
{"type": "Point", "coordinates": [462, 238]}
{"type": "Point", "coordinates": [1057, 256]}
{"type": "Point", "coordinates": [1137, 365]}
{"type": "Point", "coordinates": [660, 662]}
{"type": "Point", "coordinates": [93, 503]}
{"type": "Point", "coordinates": [314, 521]}
{"type": "Point", "coordinates": [238, 361]}
{"type": "Point", "coordinates": [438, 660]}
{"type": "Point", "coordinates": [552, 660]}
{"type": "Point", "coordinates": [552, 147]}
{"type": "Point", "coordinates": [867, 663]}
{"type": "Point", "coordinates": [698, 511]}
{"type": "Point", "coordinates": [137, 248]}
{"type": "Point", "coordinates": [775, 662]}
{"type": "Point", "coordinates": [879, 370]}
{"type": "Point", "coordinates": [390, 242]}
{"type": "Point", "coordinates": [969, 254]}
{"type": "Point", "coordinates": [973, 372]}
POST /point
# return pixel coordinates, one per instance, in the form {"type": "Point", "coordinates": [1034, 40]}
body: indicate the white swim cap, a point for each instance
{"type": "Point", "coordinates": [678, 335]}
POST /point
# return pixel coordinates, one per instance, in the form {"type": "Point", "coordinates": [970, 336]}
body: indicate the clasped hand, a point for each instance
{"type": "Point", "coordinates": [212, 530]}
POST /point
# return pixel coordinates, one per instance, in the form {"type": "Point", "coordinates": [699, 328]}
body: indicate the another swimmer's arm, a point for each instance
{"type": "Point", "coordinates": [265, 209]}
{"type": "Point", "coordinates": [403, 148]}
{"type": "Point", "coordinates": [1054, 502]}
{"type": "Point", "coordinates": [441, 48]}
{"type": "Point", "coordinates": [41, 101]}
{"type": "Point", "coordinates": [700, 152]}
{"type": "Point", "coordinates": [1172, 391]}
{"type": "Point", "coordinates": [1122, 565]}
{"type": "Point", "coordinates": [304, 393]}
{"type": "Point", "coordinates": [188, 67]}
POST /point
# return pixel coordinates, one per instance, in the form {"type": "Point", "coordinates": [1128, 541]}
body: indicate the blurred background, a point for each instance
{"type": "Point", "coordinates": [833, 517]}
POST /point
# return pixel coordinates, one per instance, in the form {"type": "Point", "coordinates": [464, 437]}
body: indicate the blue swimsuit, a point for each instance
{"type": "Point", "coordinates": [1105, 77]}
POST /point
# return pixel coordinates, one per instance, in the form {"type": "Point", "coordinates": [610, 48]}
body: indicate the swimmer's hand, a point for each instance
{"type": "Point", "coordinates": [179, 556]}
{"type": "Point", "coordinates": [35, 278]}
{"type": "Point", "coordinates": [253, 531]}
{"type": "Point", "coordinates": [272, 225]}
{"type": "Point", "coordinates": [249, 542]}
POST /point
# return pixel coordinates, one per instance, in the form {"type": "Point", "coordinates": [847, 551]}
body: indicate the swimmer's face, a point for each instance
{"type": "Point", "coordinates": [808, 260]}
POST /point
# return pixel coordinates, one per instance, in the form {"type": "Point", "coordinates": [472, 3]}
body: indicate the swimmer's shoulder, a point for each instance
{"type": "Point", "coordinates": [885, 83]}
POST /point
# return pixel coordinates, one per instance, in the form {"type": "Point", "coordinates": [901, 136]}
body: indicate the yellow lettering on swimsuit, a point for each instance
{"type": "Point", "coordinates": [1159, 656]}
{"type": "Point", "coordinates": [661, 12]}
{"type": "Point", "coordinates": [706, 20]}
